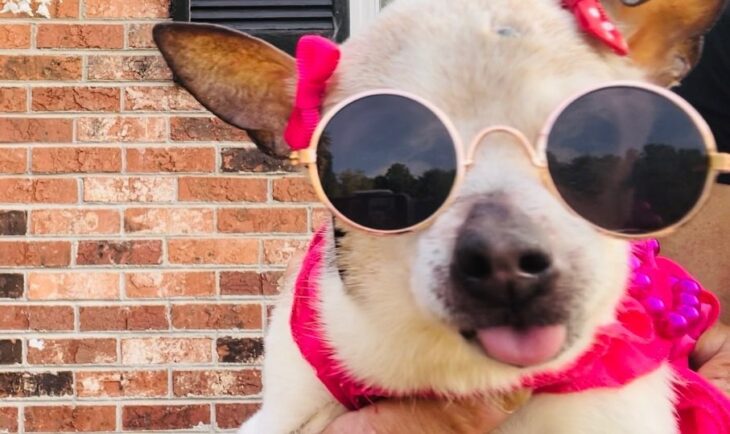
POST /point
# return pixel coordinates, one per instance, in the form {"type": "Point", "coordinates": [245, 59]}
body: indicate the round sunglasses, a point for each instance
{"type": "Point", "coordinates": [634, 160]}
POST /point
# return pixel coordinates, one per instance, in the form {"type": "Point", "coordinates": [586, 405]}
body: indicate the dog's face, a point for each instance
{"type": "Point", "coordinates": [506, 277]}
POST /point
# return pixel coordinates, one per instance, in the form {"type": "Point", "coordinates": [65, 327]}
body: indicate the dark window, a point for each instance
{"type": "Point", "coordinates": [281, 22]}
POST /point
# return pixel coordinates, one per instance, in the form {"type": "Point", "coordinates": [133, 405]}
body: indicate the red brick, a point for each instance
{"type": "Point", "coordinates": [36, 384]}
{"type": "Point", "coordinates": [57, 9]}
{"type": "Point", "coordinates": [168, 220]}
{"type": "Point", "coordinates": [170, 284]}
{"type": "Point", "coordinates": [73, 286]}
{"type": "Point", "coordinates": [80, 36]}
{"type": "Point", "coordinates": [40, 67]}
{"type": "Point", "coordinates": [9, 419]}
{"type": "Point", "coordinates": [70, 419]}
{"type": "Point", "coordinates": [76, 99]}
{"type": "Point", "coordinates": [232, 416]}
{"type": "Point", "coordinates": [159, 98]}
{"type": "Point", "coordinates": [240, 350]}
{"type": "Point", "coordinates": [142, 252]}
{"type": "Point", "coordinates": [75, 160]}
{"type": "Point", "coordinates": [216, 316]}
{"type": "Point", "coordinates": [170, 160]}
{"type": "Point", "coordinates": [165, 417]}
{"type": "Point", "coordinates": [19, 130]}
{"type": "Point", "coordinates": [121, 129]}
{"type": "Point", "coordinates": [245, 220]}
{"type": "Point", "coordinates": [71, 351]}
{"type": "Point", "coordinates": [249, 159]}
{"type": "Point", "coordinates": [13, 222]}
{"type": "Point", "coordinates": [74, 222]}
{"type": "Point", "coordinates": [118, 384]}
{"type": "Point", "coordinates": [125, 318]}
{"type": "Point", "coordinates": [241, 383]}
{"type": "Point", "coordinates": [222, 189]}
{"type": "Point", "coordinates": [166, 350]}
{"type": "Point", "coordinates": [127, 8]}
{"type": "Point", "coordinates": [13, 99]}
{"type": "Point", "coordinates": [128, 68]}
{"type": "Point", "coordinates": [280, 252]}
{"type": "Point", "coordinates": [46, 190]}
{"type": "Point", "coordinates": [13, 160]}
{"type": "Point", "coordinates": [213, 251]}
{"type": "Point", "coordinates": [185, 129]}
{"type": "Point", "coordinates": [46, 318]}
{"type": "Point", "coordinates": [320, 217]}
{"type": "Point", "coordinates": [140, 36]}
{"type": "Point", "coordinates": [11, 285]}
{"type": "Point", "coordinates": [294, 190]}
{"type": "Point", "coordinates": [250, 283]}
{"type": "Point", "coordinates": [129, 189]}
{"type": "Point", "coordinates": [15, 36]}
{"type": "Point", "coordinates": [35, 253]}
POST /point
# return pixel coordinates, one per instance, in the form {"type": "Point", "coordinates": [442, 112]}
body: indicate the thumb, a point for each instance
{"type": "Point", "coordinates": [717, 371]}
{"type": "Point", "coordinates": [712, 356]}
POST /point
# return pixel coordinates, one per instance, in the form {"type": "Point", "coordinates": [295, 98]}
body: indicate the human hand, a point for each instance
{"type": "Point", "coordinates": [469, 416]}
{"type": "Point", "coordinates": [712, 356]}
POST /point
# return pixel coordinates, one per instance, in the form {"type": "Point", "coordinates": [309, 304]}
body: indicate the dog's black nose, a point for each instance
{"type": "Point", "coordinates": [501, 257]}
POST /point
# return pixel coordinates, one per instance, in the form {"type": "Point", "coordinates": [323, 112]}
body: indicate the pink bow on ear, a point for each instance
{"type": "Point", "coordinates": [317, 60]}
{"type": "Point", "coordinates": [592, 18]}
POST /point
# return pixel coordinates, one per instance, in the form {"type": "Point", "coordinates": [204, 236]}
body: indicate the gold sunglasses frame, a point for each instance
{"type": "Point", "coordinates": [718, 162]}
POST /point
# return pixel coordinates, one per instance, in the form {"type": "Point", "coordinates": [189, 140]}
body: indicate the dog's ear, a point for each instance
{"type": "Point", "coordinates": [243, 80]}
{"type": "Point", "coordinates": [665, 36]}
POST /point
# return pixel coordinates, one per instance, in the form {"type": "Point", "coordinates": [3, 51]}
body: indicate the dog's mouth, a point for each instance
{"type": "Point", "coordinates": [522, 348]}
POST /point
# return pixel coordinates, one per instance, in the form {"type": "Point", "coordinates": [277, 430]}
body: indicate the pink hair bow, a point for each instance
{"type": "Point", "coordinates": [592, 18]}
{"type": "Point", "coordinates": [317, 60]}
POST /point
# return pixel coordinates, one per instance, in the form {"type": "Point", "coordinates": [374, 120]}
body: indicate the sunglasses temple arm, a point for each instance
{"type": "Point", "coordinates": [721, 162]}
{"type": "Point", "coordinates": [303, 157]}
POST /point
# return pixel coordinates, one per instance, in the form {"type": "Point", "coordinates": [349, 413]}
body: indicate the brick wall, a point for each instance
{"type": "Point", "coordinates": [141, 238]}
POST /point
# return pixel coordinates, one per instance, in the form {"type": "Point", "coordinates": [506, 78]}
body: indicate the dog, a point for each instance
{"type": "Point", "coordinates": [390, 305]}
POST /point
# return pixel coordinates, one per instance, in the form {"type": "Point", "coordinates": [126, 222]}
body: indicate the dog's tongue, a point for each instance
{"type": "Point", "coordinates": [522, 348]}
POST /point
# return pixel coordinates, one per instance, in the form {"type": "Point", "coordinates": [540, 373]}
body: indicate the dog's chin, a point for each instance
{"type": "Point", "coordinates": [533, 346]}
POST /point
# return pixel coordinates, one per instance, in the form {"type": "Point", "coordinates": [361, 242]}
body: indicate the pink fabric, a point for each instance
{"type": "Point", "coordinates": [592, 19]}
{"type": "Point", "coordinates": [317, 60]}
{"type": "Point", "coordinates": [637, 344]}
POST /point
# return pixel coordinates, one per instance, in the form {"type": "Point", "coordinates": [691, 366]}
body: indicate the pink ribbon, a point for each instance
{"type": "Point", "coordinates": [317, 60]}
{"type": "Point", "coordinates": [592, 19]}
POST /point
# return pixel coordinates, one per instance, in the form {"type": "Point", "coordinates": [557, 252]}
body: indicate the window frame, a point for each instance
{"type": "Point", "coordinates": [361, 13]}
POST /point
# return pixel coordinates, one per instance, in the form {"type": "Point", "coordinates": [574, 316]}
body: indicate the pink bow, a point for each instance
{"type": "Point", "coordinates": [317, 60]}
{"type": "Point", "coordinates": [592, 18]}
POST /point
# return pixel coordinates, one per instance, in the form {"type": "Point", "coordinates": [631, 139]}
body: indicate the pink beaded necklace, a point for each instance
{"type": "Point", "coordinates": [661, 317]}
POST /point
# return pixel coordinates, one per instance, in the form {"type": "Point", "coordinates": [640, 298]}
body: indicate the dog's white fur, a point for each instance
{"type": "Point", "coordinates": [484, 62]}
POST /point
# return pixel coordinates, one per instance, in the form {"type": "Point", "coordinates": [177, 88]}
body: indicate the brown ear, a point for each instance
{"type": "Point", "coordinates": [243, 80]}
{"type": "Point", "coordinates": [665, 36]}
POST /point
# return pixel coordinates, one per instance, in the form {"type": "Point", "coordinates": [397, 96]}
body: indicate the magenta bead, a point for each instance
{"type": "Point", "coordinates": [687, 299]}
{"type": "Point", "coordinates": [655, 306]}
{"type": "Point", "coordinates": [654, 246]}
{"type": "Point", "coordinates": [675, 325]}
{"type": "Point", "coordinates": [692, 314]}
{"type": "Point", "coordinates": [641, 285]}
{"type": "Point", "coordinates": [689, 286]}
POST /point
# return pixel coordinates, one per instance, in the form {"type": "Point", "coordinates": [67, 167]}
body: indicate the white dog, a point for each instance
{"type": "Point", "coordinates": [388, 306]}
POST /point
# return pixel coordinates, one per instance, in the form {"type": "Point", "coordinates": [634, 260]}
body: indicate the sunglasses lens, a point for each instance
{"type": "Point", "coordinates": [386, 162]}
{"type": "Point", "coordinates": [628, 159]}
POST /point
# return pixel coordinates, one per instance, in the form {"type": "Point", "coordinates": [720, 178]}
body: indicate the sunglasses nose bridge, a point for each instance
{"type": "Point", "coordinates": [521, 138]}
